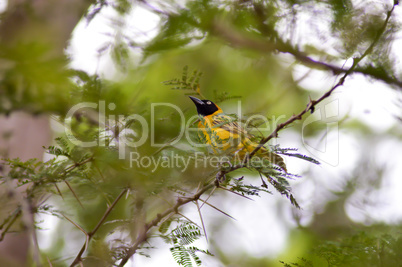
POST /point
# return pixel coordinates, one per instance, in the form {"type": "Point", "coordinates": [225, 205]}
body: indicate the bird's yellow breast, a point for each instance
{"type": "Point", "coordinates": [226, 136]}
{"type": "Point", "coordinates": [222, 134]}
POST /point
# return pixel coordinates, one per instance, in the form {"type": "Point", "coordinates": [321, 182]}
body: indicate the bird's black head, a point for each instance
{"type": "Point", "coordinates": [205, 107]}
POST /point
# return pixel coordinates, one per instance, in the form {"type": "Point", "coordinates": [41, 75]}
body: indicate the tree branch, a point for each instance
{"type": "Point", "coordinates": [143, 234]}
{"type": "Point", "coordinates": [242, 40]}
{"type": "Point", "coordinates": [313, 103]}
{"type": "Point", "coordinates": [238, 39]}
{"type": "Point", "coordinates": [78, 258]}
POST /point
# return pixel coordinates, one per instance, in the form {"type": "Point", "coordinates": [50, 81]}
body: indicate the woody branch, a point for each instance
{"type": "Point", "coordinates": [240, 40]}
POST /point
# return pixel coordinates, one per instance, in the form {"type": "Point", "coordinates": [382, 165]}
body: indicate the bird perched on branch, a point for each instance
{"type": "Point", "coordinates": [226, 136]}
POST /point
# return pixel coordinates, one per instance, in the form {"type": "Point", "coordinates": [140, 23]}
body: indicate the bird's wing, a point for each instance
{"type": "Point", "coordinates": [229, 124]}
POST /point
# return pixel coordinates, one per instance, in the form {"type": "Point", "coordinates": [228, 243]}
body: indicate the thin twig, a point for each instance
{"type": "Point", "coordinates": [188, 219]}
{"type": "Point", "coordinates": [143, 235]}
{"type": "Point", "coordinates": [240, 40]}
{"type": "Point", "coordinates": [49, 262]}
{"type": "Point", "coordinates": [36, 250]}
{"type": "Point", "coordinates": [10, 220]}
{"type": "Point", "coordinates": [231, 191]}
{"type": "Point", "coordinates": [210, 194]}
{"type": "Point", "coordinates": [71, 168]}
{"type": "Point", "coordinates": [237, 39]}
{"type": "Point", "coordinates": [78, 258]}
{"type": "Point", "coordinates": [202, 220]}
{"type": "Point", "coordinates": [313, 103]}
{"type": "Point", "coordinates": [221, 211]}
{"type": "Point", "coordinates": [76, 165]}
{"type": "Point", "coordinates": [75, 195]}
{"type": "Point", "coordinates": [80, 228]}
{"type": "Point", "coordinates": [58, 191]}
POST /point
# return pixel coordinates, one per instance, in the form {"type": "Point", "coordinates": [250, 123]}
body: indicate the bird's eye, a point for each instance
{"type": "Point", "coordinates": [209, 102]}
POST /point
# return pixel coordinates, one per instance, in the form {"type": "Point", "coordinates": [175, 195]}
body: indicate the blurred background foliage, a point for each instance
{"type": "Point", "coordinates": [273, 57]}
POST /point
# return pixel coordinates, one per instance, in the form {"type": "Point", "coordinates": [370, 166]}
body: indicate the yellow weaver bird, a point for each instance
{"type": "Point", "coordinates": [224, 135]}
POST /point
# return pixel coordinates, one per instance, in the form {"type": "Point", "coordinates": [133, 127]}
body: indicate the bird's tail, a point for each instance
{"type": "Point", "coordinates": [275, 159]}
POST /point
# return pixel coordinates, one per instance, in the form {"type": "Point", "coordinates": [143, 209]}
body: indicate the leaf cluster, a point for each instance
{"type": "Point", "coordinates": [362, 248]}
{"type": "Point", "coordinates": [181, 238]}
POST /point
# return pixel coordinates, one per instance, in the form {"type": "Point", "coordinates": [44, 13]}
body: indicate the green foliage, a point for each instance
{"type": "Point", "coordinates": [284, 151]}
{"type": "Point", "coordinates": [360, 249]}
{"type": "Point", "coordinates": [223, 96]}
{"type": "Point", "coordinates": [236, 45]}
{"type": "Point", "coordinates": [186, 83]}
{"type": "Point", "coordinates": [68, 163]}
{"type": "Point", "coordinates": [23, 83]}
{"type": "Point", "coordinates": [303, 263]}
{"type": "Point", "coordinates": [184, 27]}
{"type": "Point", "coordinates": [181, 238]}
{"type": "Point", "coordinates": [275, 175]}
{"type": "Point", "coordinates": [237, 185]}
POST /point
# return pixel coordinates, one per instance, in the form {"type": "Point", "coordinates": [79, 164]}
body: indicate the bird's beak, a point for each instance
{"type": "Point", "coordinates": [196, 101]}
